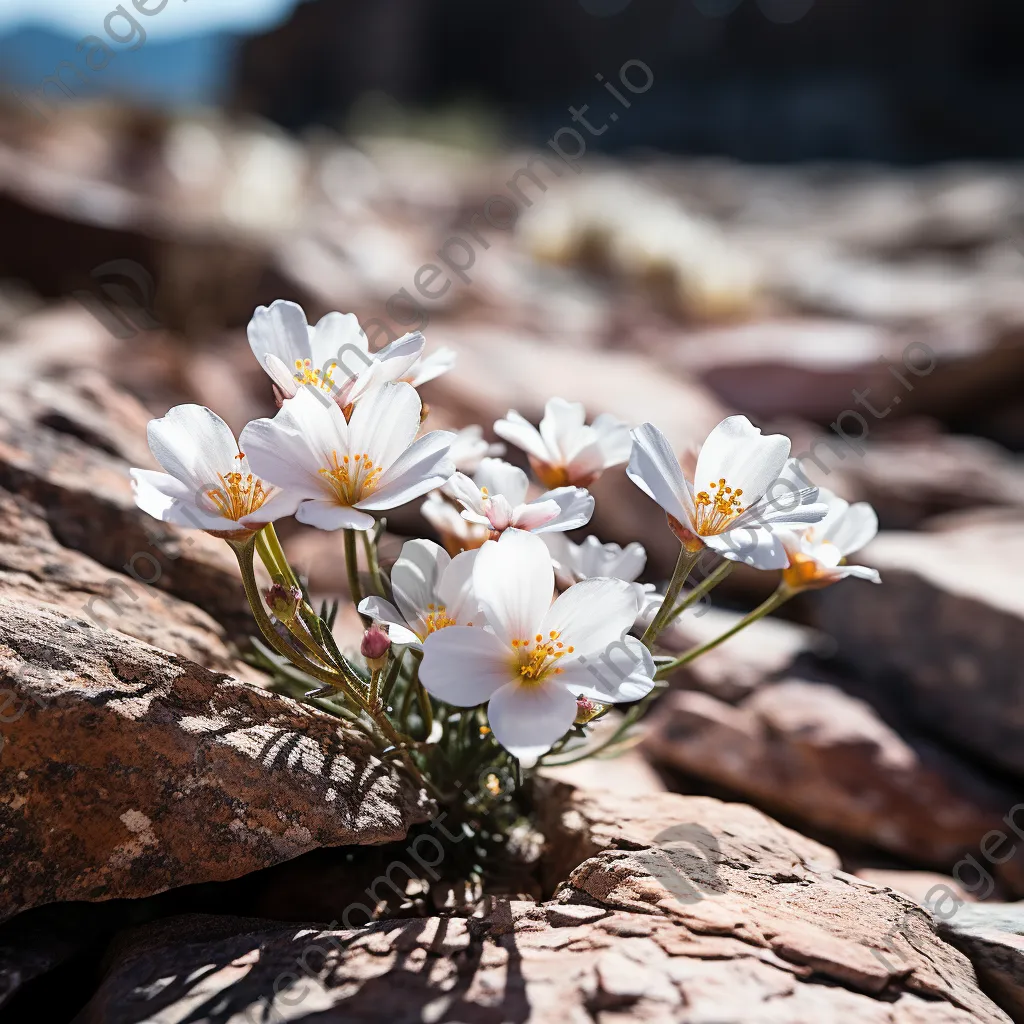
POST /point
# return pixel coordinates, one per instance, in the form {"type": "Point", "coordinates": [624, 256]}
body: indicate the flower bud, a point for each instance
{"type": "Point", "coordinates": [375, 646]}
{"type": "Point", "coordinates": [587, 710]}
{"type": "Point", "coordinates": [284, 601]}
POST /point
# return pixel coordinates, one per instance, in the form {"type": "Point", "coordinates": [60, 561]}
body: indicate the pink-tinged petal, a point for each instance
{"type": "Point", "coordinates": [465, 665]}
{"type": "Point", "coordinates": [385, 612]}
{"type": "Point", "coordinates": [654, 468]}
{"type": "Point", "coordinates": [575, 507]}
{"type": "Point", "coordinates": [528, 517]}
{"type": "Point", "coordinates": [523, 434]}
{"type": "Point", "coordinates": [746, 459]}
{"type": "Point", "coordinates": [592, 615]}
{"type": "Point", "coordinates": [466, 492]}
{"type": "Point", "coordinates": [527, 720]}
{"type": "Point", "coordinates": [280, 375]}
{"type": "Point", "coordinates": [621, 673]}
{"type": "Point", "coordinates": [514, 581]}
{"type": "Point", "coordinates": [329, 515]}
{"type": "Point", "coordinates": [422, 467]}
{"type": "Point", "coordinates": [500, 514]}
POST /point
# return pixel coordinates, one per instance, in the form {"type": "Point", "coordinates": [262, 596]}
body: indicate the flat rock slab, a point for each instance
{"type": "Point", "coordinates": [770, 933]}
{"type": "Point", "coordinates": [947, 628]}
{"type": "Point", "coordinates": [125, 770]}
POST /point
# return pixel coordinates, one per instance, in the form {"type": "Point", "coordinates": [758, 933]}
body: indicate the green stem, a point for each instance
{"type": "Point", "coordinates": [709, 583]}
{"type": "Point", "coordinates": [426, 708]}
{"type": "Point", "coordinates": [375, 687]}
{"type": "Point", "coordinates": [352, 566]}
{"type": "Point", "coordinates": [780, 597]}
{"type": "Point", "coordinates": [280, 557]}
{"type": "Point", "coordinates": [370, 547]}
{"type": "Point", "coordinates": [686, 561]}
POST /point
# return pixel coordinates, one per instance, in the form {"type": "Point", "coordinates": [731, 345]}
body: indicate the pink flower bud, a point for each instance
{"type": "Point", "coordinates": [375, 646]}
{"type": "Point", "coordinates": [586, 710]}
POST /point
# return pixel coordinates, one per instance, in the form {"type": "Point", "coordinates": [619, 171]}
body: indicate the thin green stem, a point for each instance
{"type": "Point", "coordinates": [277, 551]}
{"type": "Point", "coordinates": [686, 561]}
{"type": "Point", "coordinates": [352, 566]}
{"type": "Point", "coordinates": [709, 583]}
{"type": "Point", "coordinates": [372, 561]}
{"type": "Point", "coordinates": [780, 597]}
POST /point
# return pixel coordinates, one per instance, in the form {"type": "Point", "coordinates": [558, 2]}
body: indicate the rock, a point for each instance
{"type": "Point", "coordinates": [916, 473]}
{"type": "Point", "coordinates": [992, 935]}
{"type": "Point", "coordinates": [921, 886]}
{"type": "Point", "coordinates": [36, 570]}
{"type": "Point", "coordinates": [732, 919]}
{"type": "Point", "coordinates": [86, 497]}
{"type": "Point", "coordinates": [127, 771]}
{"type": "Point", "coordinates": [945, 629]}
{"type": "Point", "coordinates": [825, 759]}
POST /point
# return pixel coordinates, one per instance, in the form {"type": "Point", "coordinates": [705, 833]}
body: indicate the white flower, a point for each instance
{"type": "Point", "coordinates": [565, 450]}
{"type": "Point", "coordinates": [574, 563]}
{"type": "Point", "coordinates": [727, 508]}
{"type": "Point", "coordinates": [496, 497]}
{"type": "Point", "coordinates": [342, 470]}
{"type": "Point", "coordinates": [817, 553]}
{"type": "Point", "coordinates": [432, 591]}
{"type": "Point", "coordinates": [208, 483]}
{"type": "Point", "coordinates": [535, 658]}
{"type": "Point", "coordinates": [456, 533]}
{"type": "Point", "coordinates": [469, 448]}
{"type": "Point", "coordinates": [428, 367]}
{"type": "Point", "coordinates": [333, 356]}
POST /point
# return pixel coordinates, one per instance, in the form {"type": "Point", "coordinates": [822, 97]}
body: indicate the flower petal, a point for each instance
{"type": "Point", "coordinates": [432, 366]}
{"type": "Point", "coordinates": [398, 358]}
{"type": "Point", "coordinates": [858, 571]}
{"type": "Point", "coordinates": [329, 515]}
{"type": "Point", "coordinates": [500, 477]}
{"type": "Point", "coordinates": [623, 672]}
{"type": "Point", "coordinates": [279, 505]}
{"type": "Point", "coordinates": [385, 422]}
{"type": "Point", "coordinates": [763, 549]}
{"type": "Point", "coordinates": [338, 338]}
{"type": "Point", "coordinates": [563, 429]}
{"type": "Point", "coordinates": [455, 589]}
{"type": "Point", "coordinates": [168, 499]}
{"type": "Point", "coordinates": [528, 720]}
{"type": "Point", "coordinates": [193, 444]}
{"type": "Point", "coordinates": [514, 581]}
{"type": "Point", "coordinates": [280, 330]}
{"type": "Point", "coordinates": [592, 615]}
{"type": "Point", "coordinates": [529, 517]}
{"type": "Point", "coordinates": [464, 665]}
{"type": "Point", "coordinates": [654, 468]}
{"type": "Point", "coordinates": [576, 506]}
{"type": "Point", "coordinates": [737, 451]}
{"type": "Point", "coordinates": [523, 434]}
{"type": "Point", "coordinates": [414, 579]}
{"type": "Point", "coordinates": [423, 466]}
{"type": "Point", "coordinates": [384, 611]}
{"type": "Point", "coordinates": [855, 529]}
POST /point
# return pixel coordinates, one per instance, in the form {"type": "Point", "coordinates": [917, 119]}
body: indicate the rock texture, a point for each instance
{"type": "Point", "coordinates": [126, 770]}
{"type": "Point", "coordinates": [946, 627]}
{"type": "Point", "coordinates": [992, 935]}
{"type": "Point", "coordinates": [684, 909]}
{"type": "Point", "coordinates": [827, 760]}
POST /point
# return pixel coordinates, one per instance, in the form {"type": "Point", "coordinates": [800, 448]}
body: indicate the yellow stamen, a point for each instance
{"type": "Point", "coordinates": [351, 483]}
{"type": "Point", "coordinates": [305, 374]}
{"type": "Point", "coordinates": [239, 494]}
{"type": "Point", "coordinates": [534, 665]}
{"type": "Point", "coordinates": [716, 511]}
{"type": "Point", "coordinates": [438, 618]}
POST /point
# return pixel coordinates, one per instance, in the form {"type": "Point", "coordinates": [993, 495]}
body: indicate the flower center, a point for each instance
{"type": "Point", "coordinates": [717, 507]}
{"type": "Point", "coordinates": [437, 617]}
{"type": "Point", "coordinates": [239, 494]}
{"type": "Point", "coordinates": [538, 658]}
{"type": "Point", "coordinates": [352, 477]}
{"type": "Point", "coordinates": [306, 374]}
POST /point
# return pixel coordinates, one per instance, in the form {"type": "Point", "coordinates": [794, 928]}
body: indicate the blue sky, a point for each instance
{"type": "Point", "coordinates": [179, 18]}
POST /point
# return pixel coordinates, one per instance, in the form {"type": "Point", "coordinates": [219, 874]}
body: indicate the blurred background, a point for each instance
{"type": "Point", "coordinates": [807, 211]}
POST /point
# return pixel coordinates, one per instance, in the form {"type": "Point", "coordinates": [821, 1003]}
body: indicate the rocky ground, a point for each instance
{"type": "Point", "coordinates": [177, 842]}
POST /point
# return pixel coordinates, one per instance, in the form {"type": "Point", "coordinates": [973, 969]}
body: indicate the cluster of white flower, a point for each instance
{"type": "Point", "coordinates": [480, 614]}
